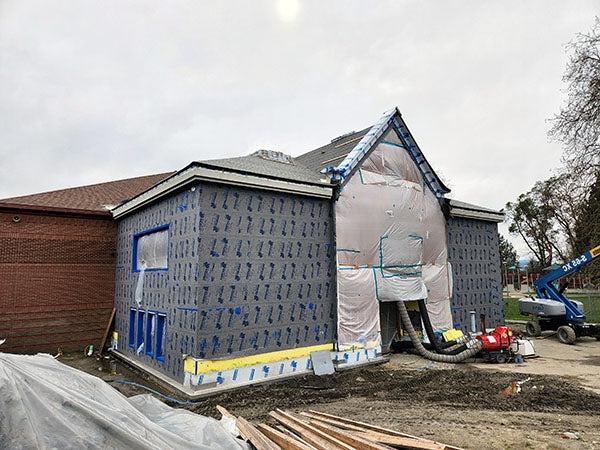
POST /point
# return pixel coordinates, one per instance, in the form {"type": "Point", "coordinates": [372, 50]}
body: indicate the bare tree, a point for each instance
{"type": "Point", "coordinates": [577, 125]}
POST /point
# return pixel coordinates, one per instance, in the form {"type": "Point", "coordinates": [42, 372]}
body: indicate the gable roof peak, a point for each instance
{"type": "Point", "coordinates": [390, 119]}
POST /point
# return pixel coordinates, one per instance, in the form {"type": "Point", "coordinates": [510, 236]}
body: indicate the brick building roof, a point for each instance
{"type": "Point", "coordinates": [91, 199]}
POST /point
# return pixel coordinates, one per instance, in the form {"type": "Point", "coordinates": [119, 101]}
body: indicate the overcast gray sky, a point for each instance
{"type": "Point", "coordinates": [92, 91]}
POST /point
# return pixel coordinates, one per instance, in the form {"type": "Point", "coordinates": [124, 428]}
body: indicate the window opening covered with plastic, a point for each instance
{"type": "Point", "coordinates": [151, 249]}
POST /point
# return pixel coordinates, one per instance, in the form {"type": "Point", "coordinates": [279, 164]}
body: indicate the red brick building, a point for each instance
{"type": "Point", "coordinates": [57, 265]}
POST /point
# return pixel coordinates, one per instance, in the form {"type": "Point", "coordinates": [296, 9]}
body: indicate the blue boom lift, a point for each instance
{"type": "Point", "coordinates": [554, 310]}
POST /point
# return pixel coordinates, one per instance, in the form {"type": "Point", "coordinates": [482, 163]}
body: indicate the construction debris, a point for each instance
{"type": "Point", "coordinates": [46, 404]}
{"type": "Point", "coordinates": [317, 430]}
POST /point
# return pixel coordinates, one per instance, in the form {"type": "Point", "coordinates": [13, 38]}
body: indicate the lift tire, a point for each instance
{"type": "Point", "coordinates": [566, 334]}
{"type": "Point", "coordinates": [533, 328]}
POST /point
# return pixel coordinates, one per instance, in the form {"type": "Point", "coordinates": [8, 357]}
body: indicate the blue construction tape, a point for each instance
{"type": "Point", "coordinates": [163, 396]}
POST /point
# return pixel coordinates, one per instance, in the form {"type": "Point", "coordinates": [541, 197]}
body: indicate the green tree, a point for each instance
{"type": "Point", "coordinates": [587, 227]}
{"type": "Point", "coordinates": [534, 266]}
{"type": "Point", "coordinates": [531, 217]}
{"type": "Point", "coordinates": [566, 195]}
{"type": "Point", "coordinates": [508, 255]}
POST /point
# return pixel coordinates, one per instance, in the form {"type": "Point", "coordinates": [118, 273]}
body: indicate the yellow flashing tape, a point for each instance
{"type": "Point", "coordinates": [595, 251]}
{"type": "Point", "coordinates": [452, 334]}
{"type": "Point", "coordinates": [199, 366]}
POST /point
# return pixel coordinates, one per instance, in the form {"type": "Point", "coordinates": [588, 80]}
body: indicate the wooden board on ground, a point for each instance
{"type": "Point", "coordinates": [108, 328]}
{"type": "Point", "coordinates": [315, 430]}
{"type": "Point", "coordinates": [398, 441]}
{"type": "Point", "coordinates": [310, 434]}
{"type": "Point", "coordinates": [358, 442]}
{"type": "Point", "coordinates": [342, 421]}
{"type": "Point", "coordinates": [254, 436]}
{"type": "Point", "coordinates": [285, 441]}
{"type": "Point", "coordinates": [225, 413]}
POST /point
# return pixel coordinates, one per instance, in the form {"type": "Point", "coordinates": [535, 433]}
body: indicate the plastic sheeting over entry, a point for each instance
{"type": "Point", "coordinates": [391, 243]}
{"type": "Point", "coordinates": [45, 404]}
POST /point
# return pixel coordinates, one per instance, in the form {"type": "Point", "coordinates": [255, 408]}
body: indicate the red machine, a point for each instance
{"type": "Point", "coordinates": [496, 344]}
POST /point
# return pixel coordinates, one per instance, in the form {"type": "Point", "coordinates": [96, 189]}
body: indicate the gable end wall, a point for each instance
{"type": "Point", "coordinates": [473, 252]}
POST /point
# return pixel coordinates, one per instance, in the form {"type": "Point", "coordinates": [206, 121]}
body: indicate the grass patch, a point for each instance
{"type": "Point", "coordinates": [591, 306]}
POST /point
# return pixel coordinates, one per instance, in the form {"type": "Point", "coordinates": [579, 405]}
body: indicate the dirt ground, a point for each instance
{"type": "Point", "coordinates": [457, 404]}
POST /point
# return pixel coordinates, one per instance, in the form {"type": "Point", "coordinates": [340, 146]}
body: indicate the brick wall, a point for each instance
{"type": "Point", "coordinates": [56, 281]}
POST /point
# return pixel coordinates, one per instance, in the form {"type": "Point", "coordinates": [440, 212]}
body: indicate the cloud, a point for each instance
{"type": "Point", "coordinates": [92, 91]}
{"type": "Point", "coordinates": [288, 9]}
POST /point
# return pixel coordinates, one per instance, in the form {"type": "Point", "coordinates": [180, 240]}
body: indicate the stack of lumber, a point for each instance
{"type": "Point", "coordinates": [317, 430]}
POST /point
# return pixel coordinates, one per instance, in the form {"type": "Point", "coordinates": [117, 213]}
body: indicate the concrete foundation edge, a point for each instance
{"type": "Point", "coordinates": [198, 386]}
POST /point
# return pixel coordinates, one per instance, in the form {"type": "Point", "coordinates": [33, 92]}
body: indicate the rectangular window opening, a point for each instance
{"type": "Point", "coordinates": [160, 336]}
{"type": "Point", "coordinates": [140, 331]}
{"type": "Point", "coordinates": [132, 314]}
{"type": "Point", "coordinates": [150, 333]}
{"type": "Point", "coordinates": [150, 249]}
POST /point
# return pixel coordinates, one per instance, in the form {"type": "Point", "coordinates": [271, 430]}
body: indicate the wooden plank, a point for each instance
{"type": "Point", "coordinates": [291, 434]}
{"type": "Point", "coordinates": [108, 328]}
{"type": "Point", "coordinates": [368, 426]}
{"type": "Point", "coordinates": [378, 429]}
{"type": "Point", "coordinates": [310, 438]}
{"type": "Point", "coordinates": [285, 441]}
{"type": "Point", "coordinates": [255, 437]}
{"type": "Point", "coordinates": [310, 434]}
{"type": "Point", "coordinates": [225, 413]}
{"type": "Point", "coordinates": [356, 441]}
{"type": "Point", "coordinates": [336, 423]}
{"type": "Point", "coordinates": [398, 441]}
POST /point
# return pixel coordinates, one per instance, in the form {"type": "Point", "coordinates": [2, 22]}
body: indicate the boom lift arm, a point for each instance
{"type": "Point", "coordinates": [554, 311]}
{"type": "Point", "coordinates": [544, 287]}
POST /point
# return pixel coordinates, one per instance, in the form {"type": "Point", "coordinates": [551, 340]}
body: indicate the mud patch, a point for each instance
{"type": "Point", "coordinates": [591, 361]}
{"type": "Point", "coordinates": [473, 389]}
{"type": "Point", "coordinates": [482, 390]}
{"type": "Point", "coordinates": [456, 389]}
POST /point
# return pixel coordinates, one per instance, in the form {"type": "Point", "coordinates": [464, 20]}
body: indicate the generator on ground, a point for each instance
{"type": "Point", "coordinates": [496, 345]}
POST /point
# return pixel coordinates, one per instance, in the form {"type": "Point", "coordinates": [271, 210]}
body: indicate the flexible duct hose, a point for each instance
{"type": "Point", "coordinates": [444, 348]}
{"type": "Point", "coordinates": [475, 346]}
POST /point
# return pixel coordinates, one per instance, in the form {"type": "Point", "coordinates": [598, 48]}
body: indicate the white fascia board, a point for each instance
{"type": "Point", "coordinates": [218, 176]}
{"type": "Point", "coordinates": [479, 215]}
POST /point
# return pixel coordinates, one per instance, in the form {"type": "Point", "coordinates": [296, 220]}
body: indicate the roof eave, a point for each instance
{"type": "Point", "coordinates": [208, 165]}
{"type": "Point", "coordinates": [478, 215]}
{"type": "Point", "coordinates": [196, 172]}
{"type": "Point", "coordinates": [41, 209]}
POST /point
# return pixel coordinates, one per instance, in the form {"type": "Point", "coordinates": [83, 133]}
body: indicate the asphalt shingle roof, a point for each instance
{"type": "Point", "coordinates": [333, 153]}
{"type": "Point", "coordinates": [93, 197]}
{"type": "Point", "coordinates": [257, 165]}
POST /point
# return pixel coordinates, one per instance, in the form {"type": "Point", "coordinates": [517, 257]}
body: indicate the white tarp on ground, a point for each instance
{"type": "Point", "coordinates": [45, 404]}
{"type": "Point", "coordinates": [391, 241]}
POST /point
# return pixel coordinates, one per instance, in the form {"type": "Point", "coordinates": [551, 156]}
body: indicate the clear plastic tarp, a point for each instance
{"type": "Point", "coordinates": [45, 404]}
{"type": "Point", "coordinates": [391, 242]}
{"type": "Point", "coordinates": [152, 250]}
